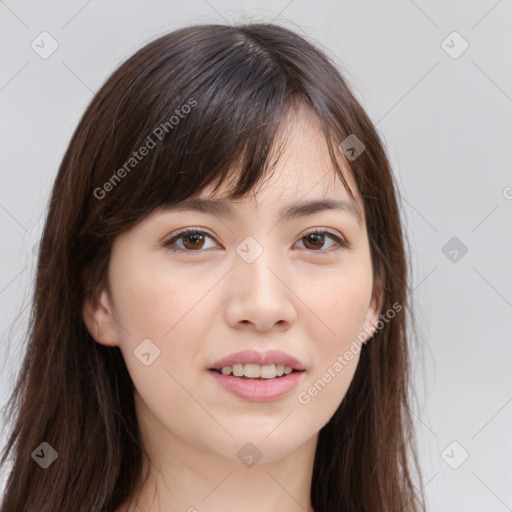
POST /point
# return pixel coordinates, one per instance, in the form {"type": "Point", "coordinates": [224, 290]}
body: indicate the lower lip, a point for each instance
{"type": "Point", "coordinates": [258, 390]}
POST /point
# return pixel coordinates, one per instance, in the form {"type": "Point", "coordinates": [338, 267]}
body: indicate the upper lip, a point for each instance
{"type": "Point", "coordinates": [261, 358]}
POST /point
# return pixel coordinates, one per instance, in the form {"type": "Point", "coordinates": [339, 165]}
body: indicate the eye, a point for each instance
{"type": "Point", "coordinates": [316, 239]}
{"type": "Point", "coordinates": [193, 240]}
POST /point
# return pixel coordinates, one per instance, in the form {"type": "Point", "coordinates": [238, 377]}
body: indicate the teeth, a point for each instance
{"type": "Point", "coordinates": [254, 371]}
{"type": "Point", "coordinates": [268, 371]}
{"type": "Point", "coordinates": [226, 370]}
{"type": "Point", "coordinates": [238, 370]}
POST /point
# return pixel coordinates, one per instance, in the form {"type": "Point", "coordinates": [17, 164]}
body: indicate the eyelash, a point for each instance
{"type": "Point", "coordinates": [342, 244]}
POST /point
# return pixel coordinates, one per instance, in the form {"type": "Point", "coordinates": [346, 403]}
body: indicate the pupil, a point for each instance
{"type": "Point", "coordinates": [194, 237]}
{"type": "Point", "coordinates": [317, 239]}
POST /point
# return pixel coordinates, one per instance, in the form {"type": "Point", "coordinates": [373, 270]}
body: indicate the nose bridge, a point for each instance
{"type": "Point", "coordinates": [256, 264]}
{"type": "Point", "coordinates": [260, 295]}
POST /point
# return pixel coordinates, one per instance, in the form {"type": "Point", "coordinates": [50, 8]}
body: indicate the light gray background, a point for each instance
{"type": "Point", "coordinates": [447, 123]}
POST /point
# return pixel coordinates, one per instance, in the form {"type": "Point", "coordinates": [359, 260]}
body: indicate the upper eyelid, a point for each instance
{"type": "Point", "coordinates": [192, 230]}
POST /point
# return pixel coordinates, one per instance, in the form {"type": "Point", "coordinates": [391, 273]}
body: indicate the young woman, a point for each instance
{"type": "Point", "coordinates": [220, 313]}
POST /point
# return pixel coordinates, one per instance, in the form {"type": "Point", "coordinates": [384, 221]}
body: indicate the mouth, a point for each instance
{"type": "Point", "coordinates": [257, 383]}
{"type": "Point", "coordinates": [251, 371]}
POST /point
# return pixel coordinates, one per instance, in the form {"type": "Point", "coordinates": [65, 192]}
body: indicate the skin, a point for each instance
{"type": "Point", "coordinates": [303, 297]}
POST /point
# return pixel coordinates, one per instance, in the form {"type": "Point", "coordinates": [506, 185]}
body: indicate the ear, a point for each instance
{"type": "Point", "coordinates": [374, 310]}
{"type": "Point", "coordinates": [98, 318]}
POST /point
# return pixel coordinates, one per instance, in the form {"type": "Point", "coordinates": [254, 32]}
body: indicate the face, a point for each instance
{"type": "Point", "coordinates": [253, 280]}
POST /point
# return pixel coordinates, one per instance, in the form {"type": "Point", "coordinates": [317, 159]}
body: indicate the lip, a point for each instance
{"type": "Point", "coordinates": [261, 358]}
{"type": "Point", "coordinates": [258, 390]}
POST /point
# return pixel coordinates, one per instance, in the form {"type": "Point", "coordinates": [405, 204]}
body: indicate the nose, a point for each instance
{"type": "Point", "coordinates": [259, 296]}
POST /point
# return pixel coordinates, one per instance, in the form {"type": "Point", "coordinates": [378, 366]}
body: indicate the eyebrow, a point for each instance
{"type": "Point", "coordinates": [225, 209]}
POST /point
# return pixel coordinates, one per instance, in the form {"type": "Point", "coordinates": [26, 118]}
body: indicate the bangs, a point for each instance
{"type": "Point", "coordinates": [207, 109]}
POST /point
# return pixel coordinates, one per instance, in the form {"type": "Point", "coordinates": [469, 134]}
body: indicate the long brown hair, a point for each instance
{"type": "Point", "coordinates": [202, 100]}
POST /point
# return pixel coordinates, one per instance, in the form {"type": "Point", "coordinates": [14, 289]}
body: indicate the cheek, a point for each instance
{"type": "Point", "coordinates": [170, 308]}
{"type": "Point", "coordinates": [158, 312]}
{"type": "Point", "coordinates": [150, 299]}
{"type": "Point", "coordinates": [325, 390]}
{"type": "Point", "coordinates": [340, 302]}
{"type": "Point", "coordinates": [335, 362]}
{"type": "Point", "coordinates": [151, 307]}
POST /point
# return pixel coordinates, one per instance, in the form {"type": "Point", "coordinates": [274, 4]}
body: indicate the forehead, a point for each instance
{"type": "Point", "coordinates": [292, 192]}
{"type": "Point", "coordinates": [299, 158]}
